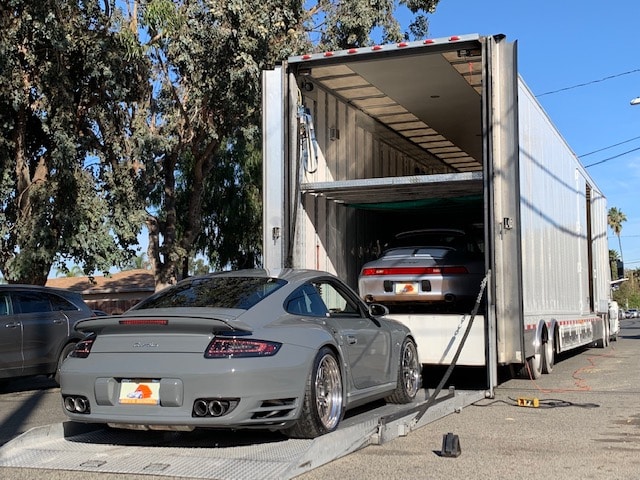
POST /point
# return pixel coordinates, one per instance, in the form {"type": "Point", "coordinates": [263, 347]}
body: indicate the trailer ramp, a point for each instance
{"type": "Point", "coordinates": [217, 454]}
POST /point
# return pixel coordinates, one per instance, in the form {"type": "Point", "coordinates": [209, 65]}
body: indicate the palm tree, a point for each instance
{"type": "Point", "coordinates": [615, 218]}
{"type": "Point", "coordinates": [614, 258]}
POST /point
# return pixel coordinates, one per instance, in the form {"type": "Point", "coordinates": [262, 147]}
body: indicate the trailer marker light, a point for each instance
{"type": "Point", "coordinates": [403, 44]}
{"type": "Point", "coordinates": [328, 54]}
{"type": "Point", "coordinates": [352, 50]}
{"type": "Point", "coordinates": [429, 41]}
{"type": "Point", "coordinates": [306, 57]}
{"type": "Point", "coordinates": [454, 38]}
{"type": "Point", "coordinates": [376, 47]}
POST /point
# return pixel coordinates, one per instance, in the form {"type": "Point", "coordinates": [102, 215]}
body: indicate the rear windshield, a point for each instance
{"type": "Point", "coordinates": [214, 292]}
{"type": "Point", "coordinates": [437, 239]}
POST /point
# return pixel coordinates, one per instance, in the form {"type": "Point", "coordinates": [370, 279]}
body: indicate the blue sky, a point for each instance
{"type": "Point", "coordinates": [565, 43]}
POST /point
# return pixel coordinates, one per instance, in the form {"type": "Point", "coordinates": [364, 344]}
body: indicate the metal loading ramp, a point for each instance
{"type": "Point", "coordinates": [216, 454]}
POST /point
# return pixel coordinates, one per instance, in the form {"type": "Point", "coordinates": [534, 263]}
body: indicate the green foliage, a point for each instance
{"type": "Point", "coordinates": [120, 113]}
{"type": "Point", "coordinates": [63, 92]}
{"type": "Point", "coordinates": [628, 292]}
{"type": "Point", "coordinates": [339, 25]}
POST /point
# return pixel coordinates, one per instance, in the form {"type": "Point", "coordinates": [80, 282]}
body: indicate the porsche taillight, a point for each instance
{"type": "Point", "coordinates": [221, 347]}
{"type": "Point", "coordinates": [415, 271]}
{"type": "Point", "coordinates": [83, 348]}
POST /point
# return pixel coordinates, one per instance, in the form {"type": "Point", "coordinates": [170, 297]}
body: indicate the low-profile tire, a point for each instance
{"type": "Point", "coordinates": [409, 374]}
{"type": "Point", "coordinates": [548, 354]}
{"type": "Point", "coordinates": [323, 404]}
{"type": "Point", "coordinates": [68, 348]}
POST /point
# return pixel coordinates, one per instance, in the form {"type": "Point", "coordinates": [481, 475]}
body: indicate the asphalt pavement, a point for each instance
{"type": "Point", "coordinates": [587, 426]}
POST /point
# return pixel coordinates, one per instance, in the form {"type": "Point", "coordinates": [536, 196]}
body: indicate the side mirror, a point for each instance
{"type": "Point", "coordinates": [378, 310]}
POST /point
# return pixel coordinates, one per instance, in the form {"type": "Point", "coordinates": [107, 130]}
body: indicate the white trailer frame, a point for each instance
{"type": "Point", "coordinates": [544, 217]}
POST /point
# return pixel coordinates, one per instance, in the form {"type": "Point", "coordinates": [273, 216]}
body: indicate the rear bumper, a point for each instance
{"type": "Point", "coordinates": [264, 391]}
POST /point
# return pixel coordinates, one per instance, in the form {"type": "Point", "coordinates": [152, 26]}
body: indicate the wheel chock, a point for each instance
{"type": "Point", "coordinates": [450, 445]}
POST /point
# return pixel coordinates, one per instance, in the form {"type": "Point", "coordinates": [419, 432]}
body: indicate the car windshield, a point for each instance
{"type": "Point", "coordinates": [214, 292]}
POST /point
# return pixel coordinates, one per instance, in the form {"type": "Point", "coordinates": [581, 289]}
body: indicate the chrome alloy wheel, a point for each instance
{"type": "Point", "coordinates": [411, 369]}
{"type": "Point", "coordinates": [328, 391]}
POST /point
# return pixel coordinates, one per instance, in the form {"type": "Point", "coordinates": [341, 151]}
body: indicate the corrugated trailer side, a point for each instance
{"type": "Point", "coordinates": [564, 301]}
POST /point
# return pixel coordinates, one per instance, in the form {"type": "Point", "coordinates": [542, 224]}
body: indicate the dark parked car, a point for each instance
{"type": "Point", "coordinates": [286, 350]}
{"type": "Point", "coordinates": [434, 266]}
{"type": "Point", "coordinates": [37, 329]}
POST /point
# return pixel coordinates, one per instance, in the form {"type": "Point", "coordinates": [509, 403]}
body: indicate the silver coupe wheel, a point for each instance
{"type": "Point", "coordinates": [328, 392]}
{"type": "Point", "coordinates": [323, 403]}
{"type": "Point", "coordinates": [409, 374]}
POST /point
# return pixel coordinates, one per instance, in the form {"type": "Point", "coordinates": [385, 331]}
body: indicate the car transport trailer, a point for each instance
{"type": "Point", "coordinates": [364, 143]}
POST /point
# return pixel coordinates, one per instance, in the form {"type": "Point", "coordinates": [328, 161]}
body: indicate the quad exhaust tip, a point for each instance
{"type": "Point", "coordinates": [77, 404]}
{"type": "Point", "coordinates": [210, 408]}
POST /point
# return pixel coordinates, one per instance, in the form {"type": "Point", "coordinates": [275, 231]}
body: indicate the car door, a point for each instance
{"type": "Point", "coordinates": [365, 341]}
{"type": "Point", "coordinates": [10, 339]}
{"type": "Point", "coordinates": [43, 329]}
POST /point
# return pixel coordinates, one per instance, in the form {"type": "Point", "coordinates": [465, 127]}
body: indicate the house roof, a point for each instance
{"type": "Point", "coordinates": [128, 281]}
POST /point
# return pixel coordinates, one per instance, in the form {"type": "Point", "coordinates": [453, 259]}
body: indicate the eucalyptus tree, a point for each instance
{"type": "Point", "coordinates": [197, 146]}
{"type": "Point", "coordinates": [65, 91]}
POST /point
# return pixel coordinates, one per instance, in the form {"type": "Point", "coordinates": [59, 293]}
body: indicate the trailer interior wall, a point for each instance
{"type": "Point", "coordinates": [341, 229]}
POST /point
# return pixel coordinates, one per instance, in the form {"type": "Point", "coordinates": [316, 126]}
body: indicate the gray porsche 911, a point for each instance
{"type": "Point", "coordinates": [286, 350]}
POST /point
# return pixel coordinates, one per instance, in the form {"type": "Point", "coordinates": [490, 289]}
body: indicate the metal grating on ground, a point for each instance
{"type": "Point", "coordinates": [211, 454]}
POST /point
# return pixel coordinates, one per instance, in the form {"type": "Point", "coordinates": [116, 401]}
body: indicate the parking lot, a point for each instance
{"type": "Point", "coordinates": [587, 426]}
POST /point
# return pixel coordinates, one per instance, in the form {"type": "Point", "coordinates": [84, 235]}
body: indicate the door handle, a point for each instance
{"type": "Point", "coordinates": [351, 340]}
{"type": "Point", "coordinates": [12, 325]}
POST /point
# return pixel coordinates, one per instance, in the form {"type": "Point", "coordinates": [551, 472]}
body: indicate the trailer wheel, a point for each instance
{"type": "Point", "coordinates": [605, 334]}
{"type": "Point", "coordinates": [604, 341]}
{"type": "Point", "coordinates": [323, 405]}
{"type": "Point", "coordinates": [409, 374]}
{"type": "Point", "coordinates": [533, 367]}
{"type": "Point", "coordinates": [548, 353]}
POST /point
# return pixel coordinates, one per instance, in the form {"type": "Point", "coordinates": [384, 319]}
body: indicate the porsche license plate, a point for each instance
{"type": "Point", "coordinates": [406, 288]}
{"type": "Point", "coordinates": [140, 392]}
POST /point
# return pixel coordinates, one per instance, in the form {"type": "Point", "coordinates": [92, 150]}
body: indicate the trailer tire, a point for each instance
{"type": "Point", "coordinates": [533, 367]}
{"type": "Point", "coordinates": [603, 342]}
{"type": "Point", "coordinates": [549, 353]}
{"type": "Point", "coordinates": [323, 404]}
{"type": "Point", "coordinates": [409, 374]}
{"type": "Point", "coordinates": [605, 335]}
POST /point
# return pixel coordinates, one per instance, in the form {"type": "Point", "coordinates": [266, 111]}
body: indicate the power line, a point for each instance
{"type": "Point", "coordinates": [610, 146]}
{"type": "Point", "coordinates": [611, 158]}
{"type": "Point", "coordinates": [589, 83]}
